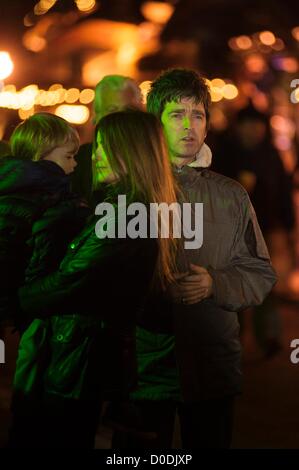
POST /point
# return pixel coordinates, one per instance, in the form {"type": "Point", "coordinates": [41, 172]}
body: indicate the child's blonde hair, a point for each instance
{"type": "Point", "coordinates": [41, 133]}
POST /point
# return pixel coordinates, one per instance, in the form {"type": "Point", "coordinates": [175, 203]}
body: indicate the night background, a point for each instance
{"type": "Point", "coordinates": [249, 51]}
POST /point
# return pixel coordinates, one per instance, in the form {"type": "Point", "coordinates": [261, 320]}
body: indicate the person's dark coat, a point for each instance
{"type": "Point", "coordinates": [86, 311]}
{"type": "Point", "coordinates": [50, 236]}
{"type": "Point", "coordinates": [27, 189]}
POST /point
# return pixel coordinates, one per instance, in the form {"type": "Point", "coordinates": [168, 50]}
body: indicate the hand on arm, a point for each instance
{"type": "Point", "coordinates": [192, 287]}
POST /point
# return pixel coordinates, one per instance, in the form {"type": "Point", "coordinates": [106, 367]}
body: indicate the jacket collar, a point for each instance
{"type": "Point", "coordinates": [203, 158]}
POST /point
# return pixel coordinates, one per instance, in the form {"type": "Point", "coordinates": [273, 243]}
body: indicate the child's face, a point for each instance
{"type": "Point", "coordinates": [64, 157]}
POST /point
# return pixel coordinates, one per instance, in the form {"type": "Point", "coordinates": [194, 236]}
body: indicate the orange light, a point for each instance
{"type": "Point", "coordinates": [293, 281]}
{"type": "Point", "coordinates": [97, 67]}
{"type": "Point", "coordinates": [289, 64]}
{"type": "Point", "coordinates": [233, 44]}
{"type": "Point", "coordinates": [85, 5]}
{"type": "Point", "coordinates": [267, 38]}
{"type": "Point", "coordinates": [55, 87]}
{"type": "Point", "coordinates": [9, 88]}
{"type": "Point", "coordinates": [47, 4]}
{"type": "Point", "coordinates": [86, 96]}
{"type": "Point", "coordinates": [278, 45]}
{"type": "Point", "coordinates": [157, 12]}
{"type": "Point", "coordinates": [216, 94]}
{"type": "Point", "coordinates": [145, 87]}
{"type": "Point", "coordinates": [218, 119]}
{"type": "Point", "coordinates": [282, 125]}
{"type": "Point", "coordinates": [255, 63]}
{"type": "Point", "coordinates": [229, 91]}
{"type": "Point", "coordinates": [295, 33]}
{"type": "Point", "coordinates": [217, 82]}
{"type": "Point", "coordinates": [31, 95]}
{"type": "Point", "coordinates": [61, 92]}
{"type": "Point", "coordinates": [72, 95]}
{"type": "Point", "coordinates": [260, 101]}
{"type": "Point", "coordinates": [126, 54]}
{"type": "Point", "coordinates": [76, 114]}
{"type": "Point", "coordinates": [6, 65]}
{"type": "Point", "coordinates": [243, 42]}
{"type": "Point", "coordinates": [43, 6]}
{"type": "Point", "coordinates": [28, 21]}
{"type": "Point", "coordinates": [33, 42]}
{"type": "Point", "coordinates": [27, 96]}
{"type": "Point", "coordinates": [25, 113]}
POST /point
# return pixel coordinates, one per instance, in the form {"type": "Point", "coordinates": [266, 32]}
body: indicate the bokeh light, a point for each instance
{"type": "Point", "coordinates": [157, 12]}
{"type": "Point", "coordinates": [6, 65]}
{"type": "Point", "coordinates": [267, 38]}
{"type": "Point", "coordinates": [75, 114]}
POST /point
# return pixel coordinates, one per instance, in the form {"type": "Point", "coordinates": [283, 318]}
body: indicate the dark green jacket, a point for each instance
{"type": "Point", "coordinates": [82, 341]}
{"type": "Point", "coordinates": [27, 189]}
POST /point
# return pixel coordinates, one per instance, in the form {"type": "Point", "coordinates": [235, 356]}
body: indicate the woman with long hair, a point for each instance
{"type": "Point", "coordinates": [91, 302]}
{"type": "Point", "coordinates": [139, 165]}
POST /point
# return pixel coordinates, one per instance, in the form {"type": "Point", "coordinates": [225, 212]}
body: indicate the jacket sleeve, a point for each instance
{"type": "Point", "coordinates": [51, 234]}
{"type": "Point", "coordinates": [250, 276]}
{"type": "Point", "coordinates": [64, 290]}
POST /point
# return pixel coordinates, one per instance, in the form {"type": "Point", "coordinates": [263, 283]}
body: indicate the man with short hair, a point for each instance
{"type": "Point", "coordinates": [113, 93]}
{"type": "Point", "coordinates": [188, 339]}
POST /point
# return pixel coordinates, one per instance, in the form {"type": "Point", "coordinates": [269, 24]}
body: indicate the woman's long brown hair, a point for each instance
{"type": "Point", "coordinates": [135, 147]}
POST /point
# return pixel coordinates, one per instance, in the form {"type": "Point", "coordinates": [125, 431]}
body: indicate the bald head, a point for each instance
{"type": "Point", "coordinates": [116, 93]}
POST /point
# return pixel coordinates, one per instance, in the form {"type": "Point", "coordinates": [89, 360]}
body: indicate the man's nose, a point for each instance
{"type": "Point", "coordinates": [187, 122]}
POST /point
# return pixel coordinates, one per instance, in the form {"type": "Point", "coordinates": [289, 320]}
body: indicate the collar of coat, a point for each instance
{"type": "Point", "coordinates": [203, 158]}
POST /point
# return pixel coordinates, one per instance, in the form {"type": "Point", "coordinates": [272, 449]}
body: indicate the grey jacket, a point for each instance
{"type": "Point", "coordinates": [203, 339]}
{"type": "Point", "coordinates": [233, 250]}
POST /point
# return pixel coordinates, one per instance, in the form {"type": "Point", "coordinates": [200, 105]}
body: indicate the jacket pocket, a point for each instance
{"type": "Point", "coordinates": [71, 344]}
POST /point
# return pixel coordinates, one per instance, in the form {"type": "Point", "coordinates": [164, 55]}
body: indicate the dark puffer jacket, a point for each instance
{"type": "Point", "coordinates": [82, 339]}
{"type": "Point", "coordinates": [27, 189]}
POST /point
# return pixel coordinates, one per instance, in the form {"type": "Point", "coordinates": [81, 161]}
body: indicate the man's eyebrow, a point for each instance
{"type": "Point", "coordinates": [176, 110]}
{"type": "Point", "coordinates": [182, 110]}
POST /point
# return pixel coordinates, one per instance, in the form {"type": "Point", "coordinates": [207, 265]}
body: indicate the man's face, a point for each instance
{"type": "Point", "coordinates": [64, 157]}
{"type": "Point", "coordinates": [110, 101]}
{"type": "Point", "coordinates": [185, 129]}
